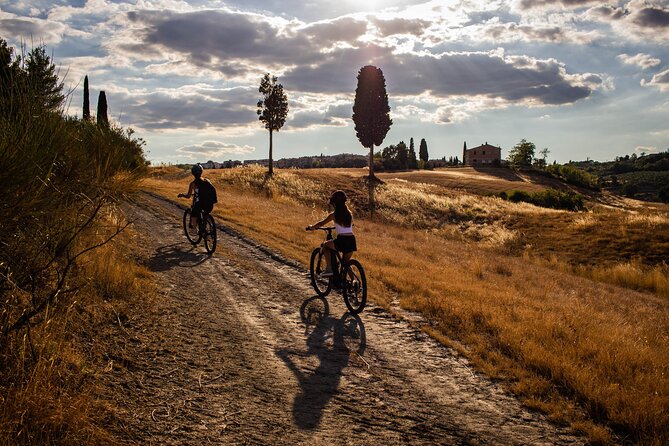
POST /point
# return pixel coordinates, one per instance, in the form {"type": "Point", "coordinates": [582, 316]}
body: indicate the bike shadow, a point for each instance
{"type": "Point", "coordinates": [175, 256]}
{"type": "Point", "coordinates": [332, 341]}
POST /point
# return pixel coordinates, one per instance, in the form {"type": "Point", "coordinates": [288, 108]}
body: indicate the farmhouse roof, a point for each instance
{"type": "Point", "coordinates": [484, 147]}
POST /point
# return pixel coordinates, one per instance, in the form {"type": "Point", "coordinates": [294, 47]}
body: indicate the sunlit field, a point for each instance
{"type": "Point", "coordinates": [560, 324]}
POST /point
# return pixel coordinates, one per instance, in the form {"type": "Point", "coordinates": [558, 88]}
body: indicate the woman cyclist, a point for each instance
{"type": "Point", "coordinates": [343, 221]}
{"type": "Point", "coordinates": [194, 188]}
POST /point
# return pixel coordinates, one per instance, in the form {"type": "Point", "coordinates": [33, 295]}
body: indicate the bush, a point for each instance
{"type": "Point", "coordinates": [630, 189]}
{"type": "Point", "coordinates": [574, 175]}
{"type": "Point", "coordinates": [549, 198]}
{"type": "Point", "coordinates": [663, 194]}
{"type": "Point", "coordinates": [60, 179]}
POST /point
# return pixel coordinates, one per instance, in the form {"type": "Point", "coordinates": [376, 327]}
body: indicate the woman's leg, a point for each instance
{"type": "Point", "coordinates": [326, 249]}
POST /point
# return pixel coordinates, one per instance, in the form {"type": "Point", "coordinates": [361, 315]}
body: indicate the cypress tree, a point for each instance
{"type": "Point", "coordinates": [371, 112]}
{"type": "Point", "coordinates": [423, 151]}
{"type": "Point", "coordinates": [464, 153]}
{"type": "Point", "coordinates": [87, 106]}
{"type": "Point", "coordinates": [413, 161]}
{"type": "Point", "coordinates": [371, 115]}
{"type": "Point", "coordinates": [102, 110]}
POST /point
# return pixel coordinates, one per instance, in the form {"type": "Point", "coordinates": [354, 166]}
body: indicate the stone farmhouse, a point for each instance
{"type": "Point", "coordinates": [483, 155]}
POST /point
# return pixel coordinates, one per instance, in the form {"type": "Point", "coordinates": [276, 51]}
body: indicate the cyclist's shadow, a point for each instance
{"type": "Point", "coordinates": [171, 256]}
{"type": "Point", "coordinates": [332, 341]}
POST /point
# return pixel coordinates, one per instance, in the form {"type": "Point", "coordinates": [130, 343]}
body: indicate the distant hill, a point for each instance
{"type": "Point", "coordinates": [308, 162]}
{"type": "Point", "coordinates": [643, 177]}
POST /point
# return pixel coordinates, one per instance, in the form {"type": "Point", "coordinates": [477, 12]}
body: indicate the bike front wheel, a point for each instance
{"type": "Point", "coordinates": [354, 286]}
{"type": "Point", "coordinates": [192, 233]}
{"type": "Point", "coordinates": [210, 235]}
{"type": "Point", "coordinates": [321, 285]}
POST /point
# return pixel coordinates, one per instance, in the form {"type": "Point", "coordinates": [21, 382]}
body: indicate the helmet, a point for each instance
{"type": "Point", "coordinates": [196, 170]}
{"type": "Point", "coordinates": [338, 197]}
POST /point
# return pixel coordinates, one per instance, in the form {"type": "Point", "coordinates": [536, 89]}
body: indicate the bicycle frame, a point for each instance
{"type": "Point", "coordinates": [348, 275]}
{"type": "Point", "coordinates": [336, 258]}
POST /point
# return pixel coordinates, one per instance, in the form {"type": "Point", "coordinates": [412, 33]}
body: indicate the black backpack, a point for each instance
{"type": "Point", "coordinates": [206, 192]}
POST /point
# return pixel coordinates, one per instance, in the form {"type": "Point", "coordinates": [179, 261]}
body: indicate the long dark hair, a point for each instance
{"type": "Point", "coordinates": [342, 214]}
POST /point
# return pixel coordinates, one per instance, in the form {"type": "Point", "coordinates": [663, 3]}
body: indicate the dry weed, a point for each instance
{"type": "Point", "coordinates": [591, 354]}
{"type": "Point", "coordinates": [649, 220]}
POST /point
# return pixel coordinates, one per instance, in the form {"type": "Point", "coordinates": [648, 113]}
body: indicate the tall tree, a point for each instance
{"type": "Point", "coordinates": [371, 112]}
{"type": "Point", "coordinates": [102, 110]}
{"type": "Point", "coordinates": [464, 153]}
{"type": "Point", "coordinates": [42, 80]}
{"type": "Point", "coordinates": [402, 155]}
{"type": "Point", "coordinates": [272, 108]}
{"type": "Point", "coordinates": [371, 115]}
{"type": "Point", "coordinates": [521, 154]}
{"type": "Point", "coordinates": [422, 152]}
{"type": "Point", "coordinates": [87, 102]}
{"type": "Point", "coordinates": [413, 161]}
{"type": "Point", "coordinates": [543, 161]}
{"type": "Point", "coordinates": [9, 72]}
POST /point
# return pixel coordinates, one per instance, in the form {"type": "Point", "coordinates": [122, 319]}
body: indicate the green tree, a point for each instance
{"type": "Point", "coordinates": [371, 112]}
{"type": "Point", "coordinates": [521, 154]}
{"type": "Point", "coordinates": [9, 72]}
{"type": "Point", "coordinates": [422, 152]}
{"type": "Point", "coordinates": [542, 162]}
{"type": "Point", "coordinates": [103, 120]}
{"type": "Point", "coordinates": [389, 158]}
{"type": "Point", "coordinates": [413, 161]}
{"type": "Point", "coordinates": [43, 83]}
{"type": "Point", "coordinates": [402, 155]}
{"type": "Point", "coordinates": [87, 103]}
{"type": "Point", "coordinates": [272, 108]}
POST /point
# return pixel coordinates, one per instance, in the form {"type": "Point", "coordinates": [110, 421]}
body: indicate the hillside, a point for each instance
{"type": "Point", "coordinates": [613, 230]}
{"type": "Point", "coordinates": [643, 177]}
{"type": "Point", "coordinates": [575, 331]}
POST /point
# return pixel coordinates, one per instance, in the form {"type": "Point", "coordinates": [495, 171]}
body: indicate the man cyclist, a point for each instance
{"type": "Point", "coordinates": [203, 193]}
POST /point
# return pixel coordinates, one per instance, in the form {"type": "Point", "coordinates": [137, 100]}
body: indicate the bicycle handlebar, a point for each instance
{"type": "Point", "coordinates": [327, 228]}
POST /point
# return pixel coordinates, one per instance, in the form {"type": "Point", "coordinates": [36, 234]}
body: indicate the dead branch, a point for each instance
{"type": "Point", "coordinates": [59, 289]}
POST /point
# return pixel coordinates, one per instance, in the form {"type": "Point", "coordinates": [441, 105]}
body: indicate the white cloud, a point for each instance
{"type": "Point", "coordinates": [659, 80]}
{"type": "Point", "coordinates": [638, 20]}
{"type": "Point", "coordinates": [35, 30]}
{"type": "Point", "coordinates": [645, 149]}
{"type": "Point", "coordinates": [214, 149]}
{"type": "Point", "coordinates": [641, 60]}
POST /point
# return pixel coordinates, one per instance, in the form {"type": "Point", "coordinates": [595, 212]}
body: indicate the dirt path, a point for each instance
{"type": "Point", "coordinates": [239, 351]}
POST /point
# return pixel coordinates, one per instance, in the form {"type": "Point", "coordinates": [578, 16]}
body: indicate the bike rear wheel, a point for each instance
{"type": "Point", "coordinates": [192, 234]}
{"type": "Point", "coordinates": [209, 234]}
{"type": "Point", "coordinates": [354, 286]}
{"type": "Point", "coordinates": [321, 285]}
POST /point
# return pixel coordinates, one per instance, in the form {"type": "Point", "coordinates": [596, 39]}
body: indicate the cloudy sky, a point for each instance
{"type": "Point", "coordinates": [585, 79]}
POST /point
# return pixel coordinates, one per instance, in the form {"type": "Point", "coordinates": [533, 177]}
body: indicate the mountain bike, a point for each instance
{"type": "Point", "coordinates": [205, 230]}
{"type": "Point", "coordinates": [347, 275]}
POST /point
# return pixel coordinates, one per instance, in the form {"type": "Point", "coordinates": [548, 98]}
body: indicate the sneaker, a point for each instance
{"type": "Point", "coordinates": [327, 273]}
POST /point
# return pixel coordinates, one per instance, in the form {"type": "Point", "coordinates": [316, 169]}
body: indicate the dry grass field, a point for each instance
{"type": "Point", "coordinates": [531, 296]}
{"type": "Point", "coordinates": [61, 363]}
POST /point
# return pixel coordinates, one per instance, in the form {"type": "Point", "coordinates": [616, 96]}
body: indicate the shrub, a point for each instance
{"type": "Point", "coordinates": [630, 189]}
{"type": "Point", "coordinates": [574, 175]}
{"type": "Point", "coordinates": [663, 194]}
{"type": "Point", "coordinates": [60, 179]}
{"type": "Point", "coordinates": [549, 198]}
